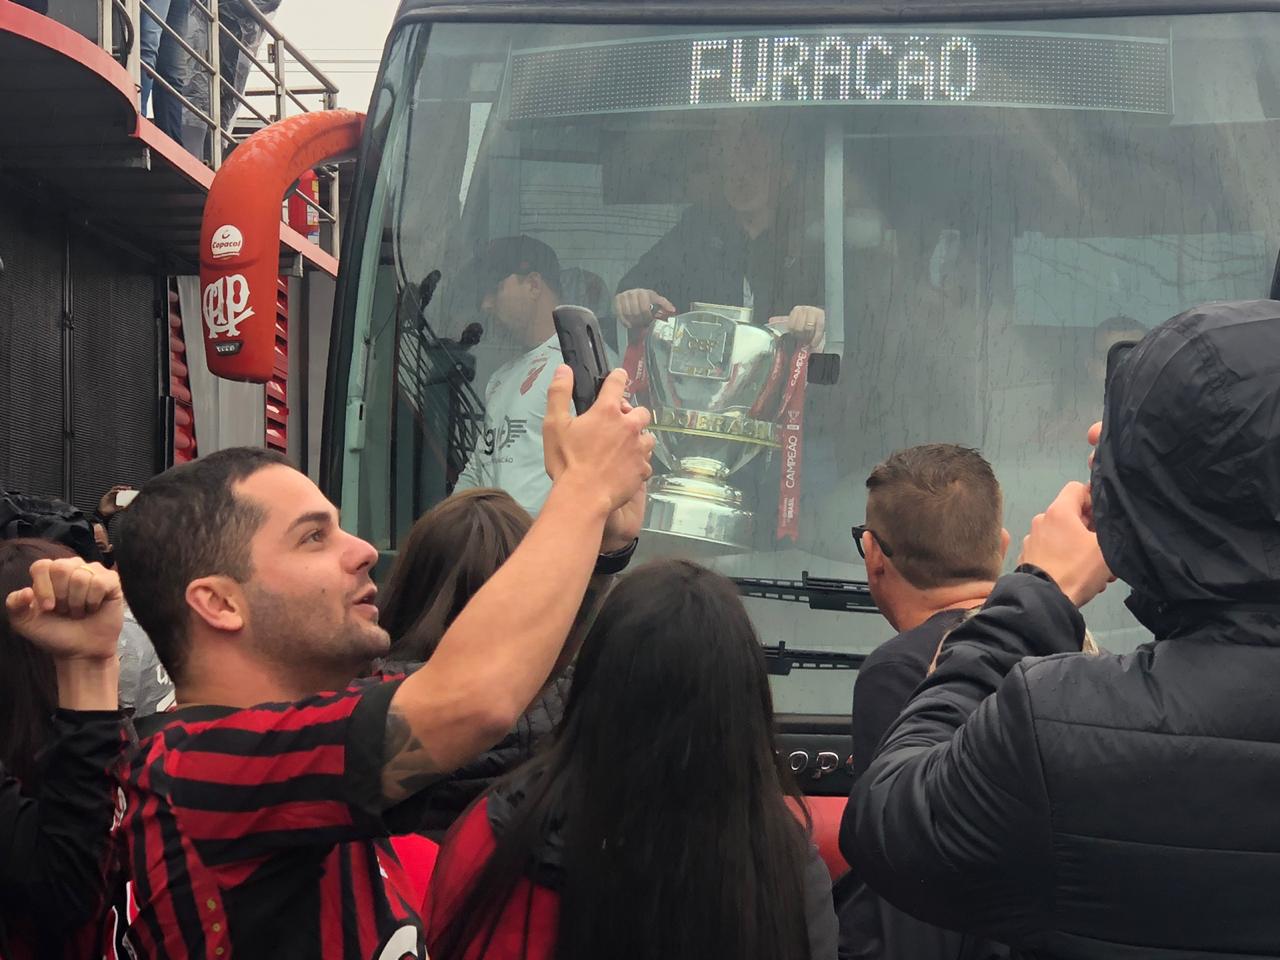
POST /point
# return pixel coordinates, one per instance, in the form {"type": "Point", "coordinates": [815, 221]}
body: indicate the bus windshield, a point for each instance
{"type": "Point", "coordinates": [950, 224]}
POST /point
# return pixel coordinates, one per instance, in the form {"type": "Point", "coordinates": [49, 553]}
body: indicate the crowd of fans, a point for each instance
{"type": "Point", "coordinates": [597, 758]}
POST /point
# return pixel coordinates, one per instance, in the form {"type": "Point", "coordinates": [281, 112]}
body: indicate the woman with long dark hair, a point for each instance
{"type": "Point", "coordinates": [451, 552]}
{"type": "Point", "coordinates": [61, 736]}
{"type": "Point", "coordinates": [655, 824]}
{"type": "Point", "coordinates": [28, 684]}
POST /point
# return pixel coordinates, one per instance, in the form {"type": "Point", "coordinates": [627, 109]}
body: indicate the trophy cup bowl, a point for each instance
{"type": "Point", "coordinates": [710, 372]}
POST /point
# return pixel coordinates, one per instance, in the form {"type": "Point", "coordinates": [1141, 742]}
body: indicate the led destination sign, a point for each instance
{"type": "Point", "coordinates": [975, 68]}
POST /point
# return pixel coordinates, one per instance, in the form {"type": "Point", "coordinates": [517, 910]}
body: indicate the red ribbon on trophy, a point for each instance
{"type": "Point", "coordinates": [791, 419]}
{"type": "Point", "coordinates": [633, 362]}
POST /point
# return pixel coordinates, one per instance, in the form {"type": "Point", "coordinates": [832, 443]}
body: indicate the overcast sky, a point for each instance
{"type": "Point", "coordinates": [342, 38]}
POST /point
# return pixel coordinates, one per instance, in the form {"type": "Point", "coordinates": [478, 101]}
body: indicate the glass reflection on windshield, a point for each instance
{"type": "Point", "coordinates": [965, 231]}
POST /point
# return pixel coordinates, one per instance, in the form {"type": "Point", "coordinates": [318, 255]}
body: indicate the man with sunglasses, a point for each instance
{"type": "Point", "coordinates": [934, 546]}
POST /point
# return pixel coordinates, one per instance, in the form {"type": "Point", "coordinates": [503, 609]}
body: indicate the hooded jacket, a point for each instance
{"type": "Point", "coordinates": [450, 798]}
{"type": "Point", "coordinates": [1116, 806]}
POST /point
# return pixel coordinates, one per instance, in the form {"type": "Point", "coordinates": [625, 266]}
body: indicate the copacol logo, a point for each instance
{"type": "Point", "coordinates": [226, 306]}
{"type": "Point", "coordinates": [227, 242]}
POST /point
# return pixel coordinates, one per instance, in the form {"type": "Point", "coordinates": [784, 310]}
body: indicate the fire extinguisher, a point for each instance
{"type": "Point", "coordinates": [302, 216]}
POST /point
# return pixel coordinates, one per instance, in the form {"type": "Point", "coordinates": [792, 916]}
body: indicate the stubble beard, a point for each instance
{"type": "Point", "coordinates": [294, 635]}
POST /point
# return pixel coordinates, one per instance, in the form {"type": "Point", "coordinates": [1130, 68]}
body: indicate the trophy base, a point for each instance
{"type": "Point", "coordinates": [701, 509]}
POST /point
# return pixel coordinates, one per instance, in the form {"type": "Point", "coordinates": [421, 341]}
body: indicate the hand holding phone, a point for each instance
{"type": "Point", "coordinates": [115, 499]}
{"type": "Point", "coordinates": [582, 345]}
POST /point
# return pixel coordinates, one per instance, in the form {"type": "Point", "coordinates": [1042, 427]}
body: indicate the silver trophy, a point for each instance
{"type": "Point", "coordinates": [712, 376]}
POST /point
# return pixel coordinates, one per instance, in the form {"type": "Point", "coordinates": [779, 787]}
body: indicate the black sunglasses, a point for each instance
{"type": "Point", "coordinates": [862, 528]}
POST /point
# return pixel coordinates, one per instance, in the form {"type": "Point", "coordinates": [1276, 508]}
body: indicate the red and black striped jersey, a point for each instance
{"type": "Point", "coordinates": [256, 833]}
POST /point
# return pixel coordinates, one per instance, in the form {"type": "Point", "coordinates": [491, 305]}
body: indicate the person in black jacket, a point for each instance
{"type": "Point", "coordinates": [1114, 806]}
{"type": "Point", "coordinates": [451, 552]}
{"type": "Point", "coordinates": [747, 247]}
{"type": "Point", "coordinates": [933, 545]}
{"type": "Point", "coordinates": [63, 734]}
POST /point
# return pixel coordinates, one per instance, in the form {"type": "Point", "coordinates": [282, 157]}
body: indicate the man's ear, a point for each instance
{"type": "Point", "coordinates": [876, 561]}
{"type": "Point", "coordinates": [218, 601]}
{"type": "Point", "coordinates": [1004, 544]}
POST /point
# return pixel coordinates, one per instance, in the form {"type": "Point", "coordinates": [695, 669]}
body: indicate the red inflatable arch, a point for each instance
{"type": "Point", "coordinates": [240, 236]}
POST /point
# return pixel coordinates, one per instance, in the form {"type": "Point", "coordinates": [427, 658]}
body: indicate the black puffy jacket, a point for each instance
{"type": "Point", "coordinates": [1116, 806]}
{"type": "Point", "coordinates": [450, 798]}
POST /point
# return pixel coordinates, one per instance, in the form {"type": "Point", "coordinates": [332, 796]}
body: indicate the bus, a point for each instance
{"type": "Point", "coordinates": [972, 201]}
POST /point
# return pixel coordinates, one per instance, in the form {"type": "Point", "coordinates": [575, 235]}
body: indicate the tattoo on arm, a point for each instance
{"type": "Point", "coordinates": [407, 767]}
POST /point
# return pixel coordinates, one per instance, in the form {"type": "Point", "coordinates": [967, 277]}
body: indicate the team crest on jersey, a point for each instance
{"type": "Point", "coordinates": [402, 945]}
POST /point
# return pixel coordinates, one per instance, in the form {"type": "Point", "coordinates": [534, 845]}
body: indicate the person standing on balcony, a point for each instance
{"type": "Point", "coordinates": [162, 53]}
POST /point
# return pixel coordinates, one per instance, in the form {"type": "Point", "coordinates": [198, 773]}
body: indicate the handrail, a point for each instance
{"type": "Point", "coordinates": [294, 52]}
{"type": "Point", "coordinates": [221, 136]}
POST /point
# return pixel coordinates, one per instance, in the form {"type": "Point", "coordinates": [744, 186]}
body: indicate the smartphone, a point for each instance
{"type": "Point", "coordinates": [582, 345]}
{"type": "Point", "coordinates": [125, 497]}
{"type": "Point", "coordinates": [1119, 350]}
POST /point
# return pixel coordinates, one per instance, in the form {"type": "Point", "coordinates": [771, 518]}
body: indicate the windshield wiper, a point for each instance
{"type": "Point", "coordinates": [821, 593]}
{"type": "Point", "coordinates": [781, 659]}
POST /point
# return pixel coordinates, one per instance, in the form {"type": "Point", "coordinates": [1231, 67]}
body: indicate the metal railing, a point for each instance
{"type": "Point", "coordinates": [267, 95]}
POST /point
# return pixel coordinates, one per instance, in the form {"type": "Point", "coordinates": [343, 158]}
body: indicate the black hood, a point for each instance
{"type": "Point", "coordinates": [1186, 488]}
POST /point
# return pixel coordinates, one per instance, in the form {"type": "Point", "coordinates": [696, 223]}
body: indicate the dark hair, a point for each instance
{"type": "Point", "coordinates": [185, 524]}
{"type": "Point", "coordinates": [45, 518]}
{"type": "Point", "coordinates": [677, 840]}
{"type": "Point", "coordinates": [450, 553]}
{"type": "Point", "coordinates": [500, 258]}
{"type": "Point", "coordinates": [28, 684]}
{"type": "Point", "coordinates": [939, 508]}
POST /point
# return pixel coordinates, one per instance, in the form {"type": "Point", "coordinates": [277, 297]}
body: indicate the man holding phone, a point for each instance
{"type": "Point", "coordinates": [516, 283]}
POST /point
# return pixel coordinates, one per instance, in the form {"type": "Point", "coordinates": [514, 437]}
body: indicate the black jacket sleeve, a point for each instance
{"type": "Point", "coordinates": [879, 694]}
{"type": "Point", "coordinates": [951, 821]}
{"type": "Point", "coordinates": [54, 846]}
{"type": "Point", "coordinates": [666, 266]}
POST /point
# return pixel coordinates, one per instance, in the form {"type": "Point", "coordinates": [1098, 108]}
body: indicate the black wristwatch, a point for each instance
{"type": "Point", "coordinates": [608, 564]}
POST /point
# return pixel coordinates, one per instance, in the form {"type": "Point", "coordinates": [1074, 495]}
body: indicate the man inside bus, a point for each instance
{"type": "Point", "coordinates": [933, 543]}
{"type": "Point", "coordinates": [1114, 806]}
{"type": "Point", "coordinates": [517, 283]}
{"type": "Point", "coordinates": [746, 247]}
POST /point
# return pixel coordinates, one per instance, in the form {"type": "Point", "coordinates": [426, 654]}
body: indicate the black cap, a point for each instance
{"type": "Point", "coordinates": [498, 259]}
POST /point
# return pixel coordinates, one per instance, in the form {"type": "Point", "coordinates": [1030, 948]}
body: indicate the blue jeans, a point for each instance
{"type": "Point", "coordinates": [149, 45]}
{"type": "Point", "coordinates": [172, 63]}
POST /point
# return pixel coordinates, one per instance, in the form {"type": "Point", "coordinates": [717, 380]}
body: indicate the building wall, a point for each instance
{"type": "Point", "coordinates": [79, 402]}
